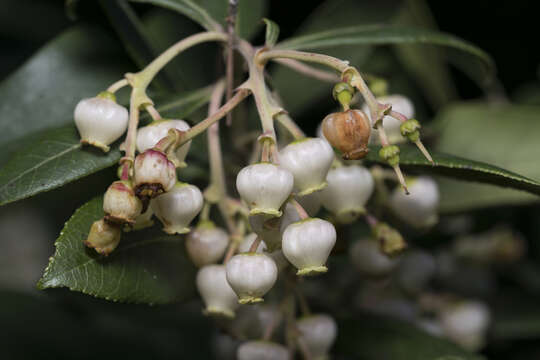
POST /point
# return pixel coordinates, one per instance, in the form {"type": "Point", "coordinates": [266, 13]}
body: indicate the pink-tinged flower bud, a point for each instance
{"type": "Point", "coordinates": [120, 203]}
{"type": "Point", "coordinates": [349, 188]}
{"type": "Point", "coordinates": [219, 298]}
{"type": "Point", "coordinates": [251, 275]}
{"type": "Point", "coordinates": [154, 174]}
{"type": "Point", "coordinates": [264, 187]}
{"type": "Point", "coordinates": [178, 207]}
{"type": "Point", "coordinates": [148, 136]}
{"type": "Point", "coordinates": [100, 121]}
{"type": "Point", "coordinates": [309, 161]}
{"type": "Point", "coordinates": [103, 237]}
{"type": "Point", "coordinates": [262, 350]}
{"type": "Point", "coordinates": [318, 333]}
{"type": "Point", "coordinates": [206, 244]}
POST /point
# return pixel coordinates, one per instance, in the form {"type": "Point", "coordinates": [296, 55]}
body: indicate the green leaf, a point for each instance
{"type": "Point", "coordinates": [188, 8]}
{"type": "Point", "coordinates": [43, 92]}
{"type": "Point", "coordinates": [55, 157]}
{"type": "Point", "coordinates": [411, 160]}
{"type": "Point", "coordinates": [502, 135]}
{"type": "Point", "coordinates": [272, 33]}
{"type": "Point", "coordinates": [391, 35]}
{"type": "Point", "coordinates": [379, 338]}
{"type": "Point", "coordinates": [298, 92]}
{"type": "Point", "coordinates": [147, 267]}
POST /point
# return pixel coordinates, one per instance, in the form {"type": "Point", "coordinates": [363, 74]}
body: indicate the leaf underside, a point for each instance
{"type": "Point", "coordinates": [148, 266]}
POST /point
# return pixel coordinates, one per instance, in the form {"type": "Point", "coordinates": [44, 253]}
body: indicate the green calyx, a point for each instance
{"type": "Point", "coordinates": [390, 240]}
{"type": "Point", "coordinates": [343, 93]}
{"type": "Point", "coordinates": [390, 154]}
{"type": "Point", "coordinates": [107, 95]}
{"type": "Point", "coordinates": [410, 130]}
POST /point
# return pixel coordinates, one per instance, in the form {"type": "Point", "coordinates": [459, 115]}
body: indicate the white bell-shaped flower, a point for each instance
{"type": "Point", "coordinates": [148, 136]}
{"type": "Point", "coordinates": [309, 161]}
{"type": "Point", "coordinates": [466, 323]}
{"type": "Point", "coordinates": [154, 174]}
{"type": "Point", "coordinates": [245, 245]}
{"type": "Point", "coordinates": [215, 291]}
{"type": "Point", "coordinates": [206, 244]}
{"type": "Point", "coordinates": [120, 203]}
{"type": "Point", "coordinates": [264, 187]}
{"type": "Point", "coordinates": [318, 333]}
{"type": "Point", "coordinates": [419, 208]}
{"type": "Point", "coordinates": [391, 126]}
{"type": "Point", "coordinates": [251, 275]}
{"type": "Point", "coordinates": [178, 207]}
{"type": "Point", "coordinates": [267, 227]}
{"type": "Point", "coordinates": [349, 188]}
{"type": "Point", "coordinates": [369, 260]}
{"type": "Point", "coordinates": [307, 245]}
{"type": "Point", "coordinates": [100, 120]}
{"type": "Point", "coordinates": [262, 350]}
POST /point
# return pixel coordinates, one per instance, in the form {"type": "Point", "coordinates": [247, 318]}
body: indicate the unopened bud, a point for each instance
{"type": "Point", "coordinates": [390, 240]}
{"type": "Point", "coordinates": [154, 174]}
{"type": "Point", "coordinates": [120, 203]}
{"type": "Point", "coordinates": [103, 237]}
{"type": "Point", "coordinates": [343, 92]}
{"type": "Point", "coordinates": [410, 129]}
{"type": "Point", "coordinates": [390, 154]}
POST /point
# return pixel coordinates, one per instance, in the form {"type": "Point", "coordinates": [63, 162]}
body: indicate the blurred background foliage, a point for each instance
{"type": "Point", "coordinates": [53, 54]}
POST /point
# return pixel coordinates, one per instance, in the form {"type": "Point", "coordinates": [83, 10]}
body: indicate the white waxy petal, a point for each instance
{"type": "Point", "coordinates": [251, 275]}
{"type": "Point", "coordinates": [264, 187]}
{"type": "Point", "coordinates": [178, 207]}
{"type": "Point", "coordinates": [153, 168]}
{"type": "Point", "coordinates": [215, 291]}
{"type": "Point", "coordinates": [349, 189]}
{"type": "Point", "coordinates": [391, 126]}
{"type": "Point", "coordinates": [100, 121]}
{"type": "Point", "coordinates": [318, 333]}
{"type": "Point", "coordinates": [206, 244]}
{"type": "Point", "coordinates": [419, 208]}
{"type": "Point", "coordinates": [245, 245]}
{"type": "Point", "coordinates": [309, 161]}
{"type": "Point", "coordinates": [466, 323]}
{"type": "Point", "coordinates": [368, 258]}
{"type": "Point", "coordinates": [307, 245]}
{"type": "Point", "coordinates": [262, 350]}
{"type": "Point", "coordinates": [148, 136]}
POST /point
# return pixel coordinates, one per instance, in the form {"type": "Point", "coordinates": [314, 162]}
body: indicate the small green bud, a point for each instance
{"type": "Point", "coordinates": [390, 240]}
{"type": "Point", "coordinates": [107, 95]}
{"type": "Point", "coordinates": [390, 154]}
{"type": "Point", "coordinates": [379, 87]}
{"type": "Point", "coordinates": [409, 129]}
{"type": "Point", "coordinates": [343, 93]}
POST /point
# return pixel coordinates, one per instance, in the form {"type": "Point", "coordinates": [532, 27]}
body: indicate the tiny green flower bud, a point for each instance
{"type": "Point", "coordinates": [409, 129]}
{"type": "Point", "coordinates": [390, 240]}
{"type": "Point", "coordinates": [343, 92]}
{"type": "Point", "coordinates": [104, 237]}
{"type": "Point", "coordinates": [390, 153]}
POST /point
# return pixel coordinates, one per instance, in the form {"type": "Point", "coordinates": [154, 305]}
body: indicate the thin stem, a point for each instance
{"type": "Point", "coordinates": [154, 114]}
{"type": "Point", "coordinates": [255, 244]}
{"type": "Point", "coordinates": [217, 173]}
{"type": "Point", "coordinates": [384, 142]}
{"type": "Point", "coordinates": [329, 61]}
{"type": "Point", "coordinates": [289, 124]}
{"type": "Point", "coordinates": [398, 116]}
{"type": "Point", "coordinates": [304, 306]}
{"type": "Point", "coordinates": [309, 70]}
{"type": "Point", "coordinates": [132, 127]}
{"type": "Point", "coordinates": [299, 209]}
{"type": "Point", "coordinates": [117, 85]}
{"type": "Point", "coordinates": [231, 23]}
{"type": "Point", "coordinates": [206, 123]}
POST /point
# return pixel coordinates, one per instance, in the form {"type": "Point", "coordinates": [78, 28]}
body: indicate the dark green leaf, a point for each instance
{"type": "Point", "coordinates": [130, 29]}
{"type": "Point", "coordinates": [390, 35]}
{"type": "Point", "coordinates": [55, 157]}
{"type": "Point", "coordinates": [298, 92]}
{"type": "Point", "coordinates": [188, 8]}
{"type": "Point", "coordinates": [43, 92]}
{"type": "Point", "coordinates": [147, 267]}
{"type": "Point", "coordinates": [411, 160]}
{"type": "Point", "coordinates": [378, 338]}
{"type": "Point", "coordinates": [272, 33]}
{"type": "Point", "coordinates": [502, 135]}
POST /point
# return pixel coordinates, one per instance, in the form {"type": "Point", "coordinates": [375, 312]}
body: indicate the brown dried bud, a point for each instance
{"type": "Point", "coordinates": [349, 132]}
{"type": "Point", "coordinates": [103, 237]}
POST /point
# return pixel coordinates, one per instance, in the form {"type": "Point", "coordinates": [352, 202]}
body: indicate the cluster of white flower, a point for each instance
{"type": "Point", "coordinates": [281, 195]}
